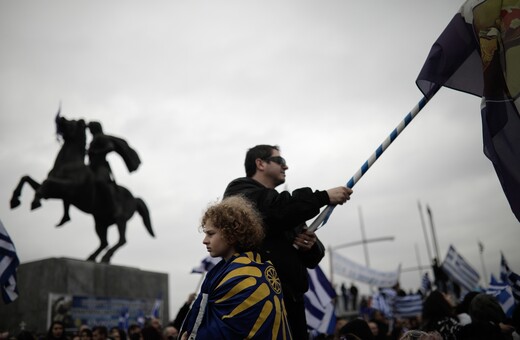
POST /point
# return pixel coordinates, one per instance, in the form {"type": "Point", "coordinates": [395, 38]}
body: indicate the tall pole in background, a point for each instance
{"type": "Point", "coordinates": [363, 237]}
{"type": "Point", "coordinates": [434, 235]}
{"type": "Point", "coordinates": [481, 251]}
{"type": "Point", "coordinates": [418, 261]}
{"type": "Point", "coordinates": [425, 233]}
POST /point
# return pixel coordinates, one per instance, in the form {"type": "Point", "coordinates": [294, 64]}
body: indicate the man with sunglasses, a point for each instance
{"type": "Point", "coordinates": [290, 247]}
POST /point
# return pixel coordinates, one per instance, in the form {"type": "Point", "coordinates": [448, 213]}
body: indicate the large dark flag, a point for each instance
{"type": "Point", "coordinates": [479, 53]}
{"type": "Point", "coordinates": [8, 264]}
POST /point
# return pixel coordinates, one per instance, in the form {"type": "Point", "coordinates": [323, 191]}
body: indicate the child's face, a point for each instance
{"type": "Point", "coordinates": [215, 242]}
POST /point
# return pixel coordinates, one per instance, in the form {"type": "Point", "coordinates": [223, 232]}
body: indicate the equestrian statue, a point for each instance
{"type": "Point", "coordinates": [89, 187]}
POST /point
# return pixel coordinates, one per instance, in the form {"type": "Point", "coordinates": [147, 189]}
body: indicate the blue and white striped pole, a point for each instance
{"type": "Point", "coordinates": [325, 214]}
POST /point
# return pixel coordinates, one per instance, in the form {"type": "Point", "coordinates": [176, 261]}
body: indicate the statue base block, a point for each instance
{"type": "Point", "coordinates": [82, 292]}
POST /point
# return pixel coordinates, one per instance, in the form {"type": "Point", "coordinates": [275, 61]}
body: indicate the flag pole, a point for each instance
{"type": "Point", "coordinates": [323, 217]}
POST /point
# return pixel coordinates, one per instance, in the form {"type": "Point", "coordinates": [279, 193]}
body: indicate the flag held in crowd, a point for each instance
{"type": "Point", "coordinates": [319, 303]}
{"type": "Point", "coordinates": [206, 264]}
{"type": "Point", "coordinates": [460, 271]}
{"type": "Point", "coordinates": [502, 292]}
{"type": "Point", "coordinates": [8, 264]}
{"type": "Point", "coordinates": [511, 278]}
{"type": "Point", "coordinates": [408, 306]}
{"type": "Point", "coordinates": [476, 55]}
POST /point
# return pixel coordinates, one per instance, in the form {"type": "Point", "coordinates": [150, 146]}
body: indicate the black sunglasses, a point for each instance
{"type": "Point", "coordinates": [277, 159]}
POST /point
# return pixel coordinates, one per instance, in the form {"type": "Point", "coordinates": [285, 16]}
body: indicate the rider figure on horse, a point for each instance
{"type": "Point", "coordinates": [100, 146]}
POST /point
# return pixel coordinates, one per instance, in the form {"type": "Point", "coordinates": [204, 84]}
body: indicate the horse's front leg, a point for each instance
{"type": "Point", "coordinates": [101, 231]}
{"type": "Point", "coordinates": [15, 199]}
{"type": "Point", "coordinates": [121, 227]}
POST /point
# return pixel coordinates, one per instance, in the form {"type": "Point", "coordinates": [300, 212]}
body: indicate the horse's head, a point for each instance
{"type": "Point", "coordinates": [70, 130]}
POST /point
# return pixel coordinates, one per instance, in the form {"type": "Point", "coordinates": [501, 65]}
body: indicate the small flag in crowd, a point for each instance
{"type": "Point", "coordinates": [383, 301]}
{"type": "Point", "coordinates": [408, 306]}
{"type": "Point", "coordinates": [510, 277]}
{"type": "Point", "coordinates": [319, 303]}
{"type": "Point", "coordinates": [502, 292]}
{"type": "Point", "coordinates": [156, 309]}
{"type": "Point", "coordinates": [460, 271]}
{"type": "Point", "coordinates": [426, 284]}
{"type": "Point", "coordinates": [206, 264]}
{"type": "Point", "coordinates": [479, 58]}
{"type": "Point", "coordinates": [8, 264]}
{"type": "Point", "coordinates": [123, 319]}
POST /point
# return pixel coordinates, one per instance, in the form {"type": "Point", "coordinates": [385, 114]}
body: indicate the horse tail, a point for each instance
{"type": "Point", "coordinates": [142, 209]}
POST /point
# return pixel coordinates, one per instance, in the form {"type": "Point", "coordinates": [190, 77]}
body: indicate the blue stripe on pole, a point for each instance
{"type": "Point", "coordinates": [325, 214]}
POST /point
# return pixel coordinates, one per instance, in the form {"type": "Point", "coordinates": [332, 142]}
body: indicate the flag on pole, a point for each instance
{"type": "Point", "coordinates": [460, 271]}
{"type": "Point", "coordinates": [206, 264]}
{"type": "Point", "coordinates": [510, 277]}
{"type": "Point", "coordinates": [502, 292]}
{"type": "Point", "coordinates": [8, 264]}
{"type": "Point", "coordinates": [477, 53]}
{"type": "Point", "coordinates": [319, 303]}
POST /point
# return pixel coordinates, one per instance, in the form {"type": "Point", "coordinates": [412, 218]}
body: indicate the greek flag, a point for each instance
{"type": "Point", "coordinates": [383, 301]}
{"type": "Point", "coordinates": [206, 264]}
{"type": "Point", "coordinates": [502, 292]}
{"type": "Point", "coordinates": [319, 303]}
{"type": "Point", "coordinates": [460, 271]}
{"type": "Point", "coordinates": [8, 264]}
{"type": "Point", "coordinates": [408, 306]}
{"type": "Point", "coordinates": [426, 284]}
{"type": "Point", "coordinates": [156, 309]}
{"type": "Point", "coordinates": [510, 277]}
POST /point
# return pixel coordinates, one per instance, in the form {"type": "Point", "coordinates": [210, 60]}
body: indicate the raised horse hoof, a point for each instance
{"type": "Point", "coordinates": [14, 202]}
{"type": "Point", "coordinates": [35, 205]}
{"type": "Point", "coordinates": [64, 220]}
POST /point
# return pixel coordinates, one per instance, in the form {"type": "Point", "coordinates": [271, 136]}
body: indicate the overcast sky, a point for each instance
{"type": "Point", "coordinates": [191, 85]}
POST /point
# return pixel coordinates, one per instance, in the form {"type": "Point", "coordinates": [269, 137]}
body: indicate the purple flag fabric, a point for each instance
{"type": "Point", "coordinates": [479, 53]}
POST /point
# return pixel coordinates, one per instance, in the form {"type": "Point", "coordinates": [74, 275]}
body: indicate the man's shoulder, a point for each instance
{"type": "Point", "coordinates": [242, 185]}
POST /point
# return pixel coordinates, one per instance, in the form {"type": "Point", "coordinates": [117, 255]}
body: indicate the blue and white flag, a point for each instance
{"type": "Point", "coordinates": [460, 271]}
{"type": "Point", "coordinates": [408, 306]}
{"type": "Point", "coordinates": [383, 301]}
{"type": "Point", "coordinates": [156, 309]}
{"type": "Point", "coordinates": [426, 284]}
{"type": "Point", "coordinates": [206, 264]}
{"type": "Point", "coordinates": [8, 264]}
{"type": "Point", "coordinates": [319, 303]}
{"type": "Point", "coordinates": [510, 277]}
{"type": "Point", "coordinates": [123, 319]}
{"type": "Point", "coordinates": [502, 292]}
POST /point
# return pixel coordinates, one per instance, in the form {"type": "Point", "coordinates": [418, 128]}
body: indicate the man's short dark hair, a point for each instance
{"type": "Point", "coordinates": [262, 151]}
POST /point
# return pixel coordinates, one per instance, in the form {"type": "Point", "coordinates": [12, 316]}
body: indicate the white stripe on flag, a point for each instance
{"type": "Point", "coordinates": [319, 307]}
{"type": "Point", "coordinates": [460, 271]}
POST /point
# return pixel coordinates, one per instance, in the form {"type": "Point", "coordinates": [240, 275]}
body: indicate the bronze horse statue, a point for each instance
{"type": "Point", "coordinates": [72, 181]}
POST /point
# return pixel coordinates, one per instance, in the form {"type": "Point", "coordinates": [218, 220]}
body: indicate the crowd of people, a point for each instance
{"type": "Point", "coordinates": [478, 316]}
{"type": "Point", "coordinates": [257, 290]}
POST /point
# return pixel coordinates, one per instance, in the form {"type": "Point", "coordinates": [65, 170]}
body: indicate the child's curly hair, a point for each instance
{"type": "Point", "coordinates": [238, 220]}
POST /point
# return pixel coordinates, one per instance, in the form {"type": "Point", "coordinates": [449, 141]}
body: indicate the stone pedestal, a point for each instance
{"type": "Point", "coordinates": [89, 290]}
